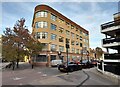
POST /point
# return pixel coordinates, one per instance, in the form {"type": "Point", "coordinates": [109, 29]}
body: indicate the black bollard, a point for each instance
{"type": "Point", "coordinates": [32, 66]}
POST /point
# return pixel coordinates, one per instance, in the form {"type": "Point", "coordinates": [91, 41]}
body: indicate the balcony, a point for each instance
{"type": "Point", "coordinates": [109, 42]}
{"type": "Point", "coordinates": [110, 26]}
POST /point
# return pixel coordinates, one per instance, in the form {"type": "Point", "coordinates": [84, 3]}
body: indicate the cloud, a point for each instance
{"type": "Point", "coordinates": [18, 10]}
{"type": "Point", "coordinates": [59, 0]}
{"type": "Point", "coordinates": [91, 18]}
{"type": "Point", "coordinates": [89, 15]}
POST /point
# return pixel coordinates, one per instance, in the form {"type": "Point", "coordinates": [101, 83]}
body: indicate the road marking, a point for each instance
{"type": "Point", "coordinates": [44, 75]}
{"type": "Point", "coordinates": [39, 72]}
{"type": "Point", "coordinates": [59, 75]}
{"type": "Point", "coordinates": [16, 78]}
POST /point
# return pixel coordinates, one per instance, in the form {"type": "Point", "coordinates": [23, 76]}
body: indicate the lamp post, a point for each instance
{"type": "Point", "coordinates": [88, 56]}
{"type": "Point", "coordinates": [81, 55]}
{"type": "Point", "coordinates": [59, 54]}
{"type": "Point", "coordinates": [67, 46]}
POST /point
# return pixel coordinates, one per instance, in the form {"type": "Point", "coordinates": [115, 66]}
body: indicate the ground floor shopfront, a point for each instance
{"type": "Point", "coordinates": [45, 58]}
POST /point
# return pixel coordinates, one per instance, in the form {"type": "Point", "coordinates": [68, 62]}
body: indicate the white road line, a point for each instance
{"type": "Point", "coordinates": [16, 78]}
{"type": "Point", "coordinates": [39, 72]}
{"type": "Point", "coordinates": [44, 75]}
{"type": "Point", "coordinates": [59, 75]}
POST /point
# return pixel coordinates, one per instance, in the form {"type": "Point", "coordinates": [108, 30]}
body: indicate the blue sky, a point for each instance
{"type": "Point", "coordinates": [89, 15]}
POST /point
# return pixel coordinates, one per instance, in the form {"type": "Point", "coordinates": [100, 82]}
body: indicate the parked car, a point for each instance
{"type": "Point", "coordinates": [72, 66]}
{"type": "Point", "coordinates": [55, 63]}
{"type": "Point", "coordinates": [94, 62]}
{"type": "Point", "coordinates": [86, 64]}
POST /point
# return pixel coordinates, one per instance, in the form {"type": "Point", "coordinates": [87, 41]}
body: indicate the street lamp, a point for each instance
{"type": "Point", "coordinates": [88, 56]}
{"type": "Point", "coordinates": [81, 55]}
{"type": "Point", "coordinates": [60, 57]}
{"type": "Point", "coordinates": [67, 46]}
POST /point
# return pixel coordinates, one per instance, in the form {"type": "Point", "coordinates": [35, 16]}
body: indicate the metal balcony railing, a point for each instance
{"type": "Point", "coordinates": [110, 24]}
{"type": "Point", "coordinates": [112, 56]}
{"type": "Point", "coordinates": [111, 40]}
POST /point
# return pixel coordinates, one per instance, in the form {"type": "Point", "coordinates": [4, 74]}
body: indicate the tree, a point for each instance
{"type": "Point", "coordinates": [16, 40]}
{"type": "Point", "coordinates": [98, 52]}
{"type": "Point", "coordinates": [92, 53]}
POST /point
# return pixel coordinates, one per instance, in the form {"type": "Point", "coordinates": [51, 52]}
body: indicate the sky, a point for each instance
{"type": "Point", "coordinates": [89, 15]}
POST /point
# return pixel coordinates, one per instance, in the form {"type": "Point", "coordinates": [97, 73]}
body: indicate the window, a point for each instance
{"type": "Point", "coordinates": [77, 43]}
{"type": "Point", "coordinates": [72, 35]}
{"type": "Point", "coordinates": [61, 20]}
{"type": "Point", "coordinates": [72, 27]}
{"type": "Point", "coordinates": [68, 25]}
{"type": "Point", "coordinates": [80, 44]}
{"type": "Point", "coordinates": [84, 40]}
{"type": "Point", "coordinates": [81, 38]}
{"type": "Point", "coordinates": [52, 57]}
{"type": "Point", "coordinates": [37, 35]}
{"type": "Point", "coordinates": [61, 39]}
{"type": "Point", "coordinates": [67, 32]}
{"type": "Point", "coordinates": [53, 26]}
{"type": "Point", "coordinates": [73, 50]}
{"type": "Point", "coordinates": [53, 17]}
{"type": "Point", "coordinates": [85, 45]}
{"type": "Point", "coordinates": [41, 24]}
{"type": "Point", "coordinates": [53, 47]}
{"type": "Point", "coordinates": [41, 14]}
{"type": "Point", "coordinates": [41, 35]}
{"type": "Point", "coordinates": [61, 30]}
{"type": "Point", "coordinates": [86, 34]}
{"type": "Point", "coordinates": [80, 31]}
{"type": "Point", "coordinates": [36, 25]}
{"type": "Point", "coordinates": [45, 46]}
{"type": "Point", "coordinates": [41, 58]}
{"type": "Point", "coordinates": [77, 36]}
{"type": "Point", "coordinates": [53, 36]}
{"type": "Point", "coordinates": [76, 29]}
{"type": "Point", "coordinates": [72, 42]}
{"type": "Point", "coordinates": [67, 40]}
{"type": "Point", "coordinates": [77, 51]}
{"type": "Point", "coordinates": [61, 48]}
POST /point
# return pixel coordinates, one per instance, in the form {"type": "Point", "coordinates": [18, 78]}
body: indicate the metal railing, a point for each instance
{"type": "Point", "coordinates": [110, 24]}
{"type": "Point", "coordinates": [111, 40]}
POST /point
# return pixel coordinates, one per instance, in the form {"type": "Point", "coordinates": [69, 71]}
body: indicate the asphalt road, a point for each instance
{"type": "Point", "coordinates": [96, 78]}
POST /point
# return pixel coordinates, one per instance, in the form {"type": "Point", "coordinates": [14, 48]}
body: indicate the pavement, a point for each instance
{"type": "Point", "coordinates": [38, 76]}
{"type": "Point", "coordinates": [77, 79]}
{"type": "Point", "coordinates": [2, 65]}
{"type": "Point", "coordinates": [108, 75]}
{"type": "Point", "coordinates": [62, 79]}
